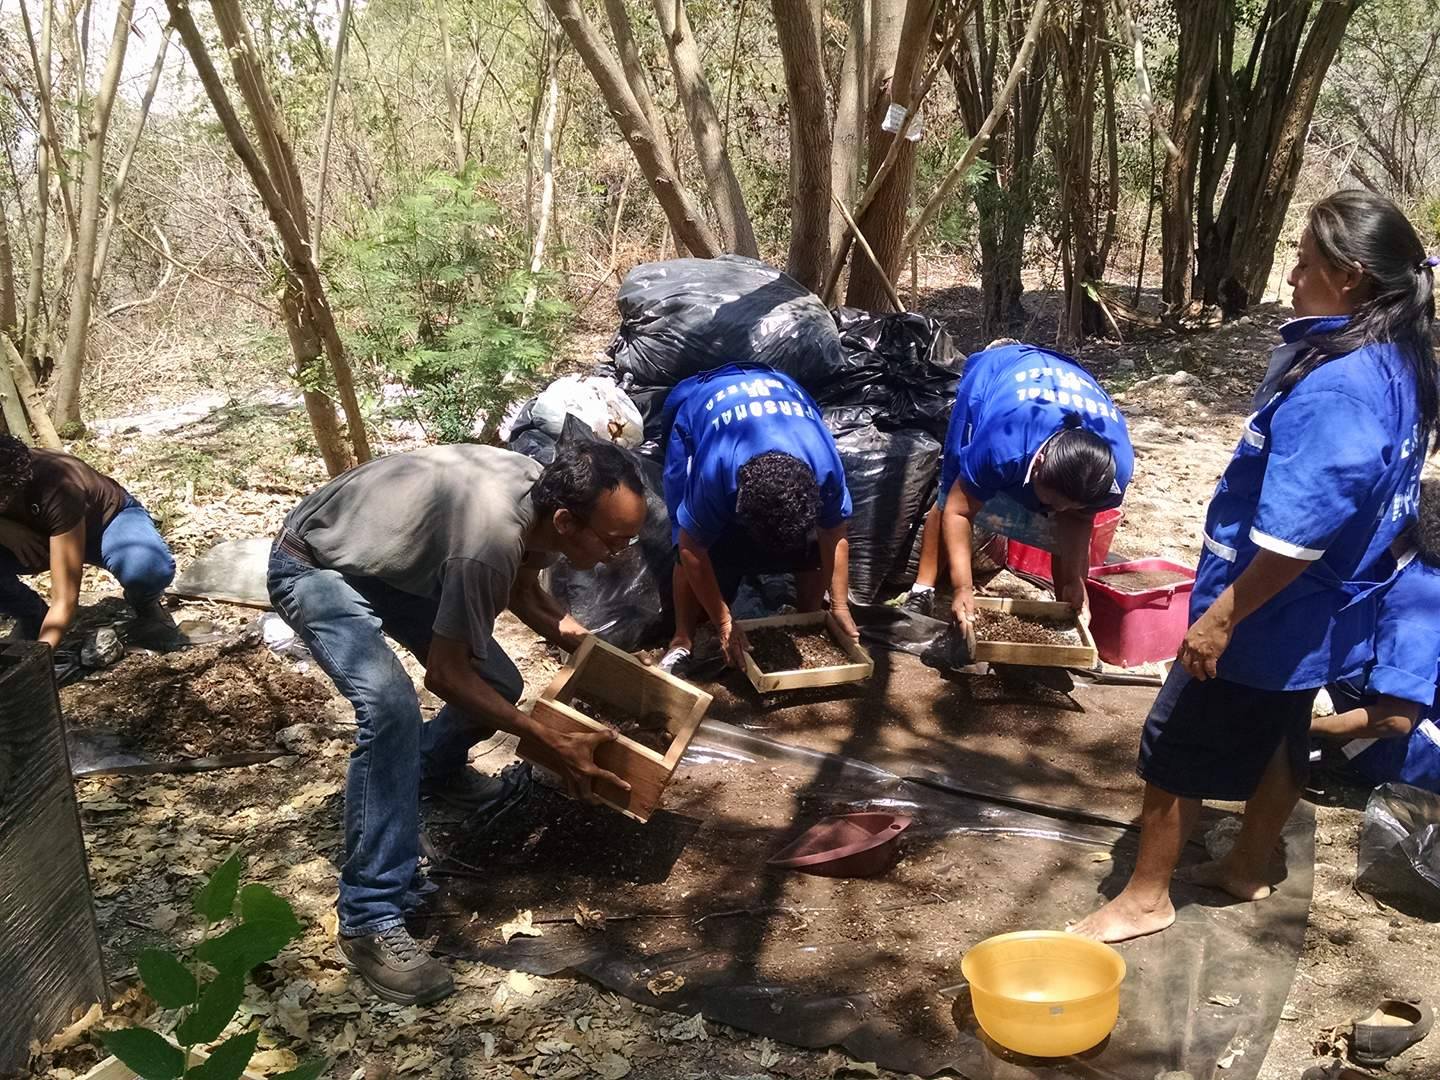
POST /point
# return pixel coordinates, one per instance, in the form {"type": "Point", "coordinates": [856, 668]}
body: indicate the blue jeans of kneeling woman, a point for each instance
{"type": "Point", "coordinates": [130, 548]}
{"type": "Point", "coordinates": [343, 620]}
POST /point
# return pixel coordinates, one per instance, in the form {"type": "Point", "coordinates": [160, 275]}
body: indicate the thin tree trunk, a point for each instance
{"type": "Point", "coordinates": [982, 137]}
{"type": "Point", "coordinates": [694, 91]}
{"type": "Point", "coordinates": [547, 186]}
{"type": "Point", "coordinates": [1258, 225]}
{"type": "Point", "coordinates": [82, 293]}
{"type": "Point", "coordinates": [49, 130]}
{"type": "Point", "coordinates": [269, 125]}
{"type": "Point", "coordinates": [847, 139]}
{"type": "Point", "coordinates": [300, 275]}
{"type": "Point", "coordinates": [1199, 43]}
{"type": "Point", "coordinates": [127, 156]}
{"type": "Point", "coordinates": [730, 74]}
{"type": "Point", "coordinates": [452, 98]}
{"type": "Point", "coordinates": [799, 38]}
{"type": "Point", "coordinates": [1149, 219]}
{"type": "Point", "coordinates": [1112, 161]}
{"type": "Point", "coordinates": [634, 68]}
{"type": "Point", "coordinates": [9, 308]}
{"type": "Point", "coordinates": [40, 422]}
{"type": "Point", "coordinates": [330, 102]}
{"type": "Point", "coordinates": [29, 336]}
{"type": "Point", "coordinates": [883, 223]}
{"type": "Point", "coordinates": [680, 209]}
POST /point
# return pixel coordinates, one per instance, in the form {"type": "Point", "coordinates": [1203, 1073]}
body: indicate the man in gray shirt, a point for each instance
{"type": "Point", "coordinates": [429, 547]}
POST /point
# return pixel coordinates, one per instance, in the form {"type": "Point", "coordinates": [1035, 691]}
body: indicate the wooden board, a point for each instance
{"type": "Point", "coordinates": [112, 1068]}
{"type": "Point", "coordinates": [861, 666]}
{"type": "Point", "coordinates": [608, 675]}
{"type": "Point", "coordinates": [1010, 652]}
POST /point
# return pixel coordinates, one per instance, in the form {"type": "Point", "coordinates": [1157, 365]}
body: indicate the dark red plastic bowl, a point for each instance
{"type": "Point", "coordinates": [847, 845]}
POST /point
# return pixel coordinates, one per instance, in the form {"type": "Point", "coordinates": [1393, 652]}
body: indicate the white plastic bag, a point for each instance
{"type": "Point", "coordinates": [596, 402]}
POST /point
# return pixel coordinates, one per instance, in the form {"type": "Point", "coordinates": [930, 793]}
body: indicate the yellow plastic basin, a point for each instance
{"type": "Point", "coordinates": [1043, 992]}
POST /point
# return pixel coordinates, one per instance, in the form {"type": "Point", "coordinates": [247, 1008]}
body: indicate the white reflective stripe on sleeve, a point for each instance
{"type": "Point", "coordinates": [1355, 747]}
{"type": "Point", "coordinates": [1253, 437]}
{"type": "Point", "coordinates": [1428, 729]}
{"type": "Point", "coordinates": [1216, 548]}
{"type": "Point", "coordinates": [1284, 547]}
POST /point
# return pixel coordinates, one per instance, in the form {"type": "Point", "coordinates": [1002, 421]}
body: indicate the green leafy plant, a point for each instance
{"type": "Point", "coordinates": [431, 291]}
{"type": "Point", "coordinates": [207, 992]}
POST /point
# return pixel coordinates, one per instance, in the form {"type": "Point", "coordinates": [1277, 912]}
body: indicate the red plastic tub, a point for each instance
{"type": "Point", "coordinates": [1132, 628]}
{"type": "Point", "coordinates": [1024, 559]}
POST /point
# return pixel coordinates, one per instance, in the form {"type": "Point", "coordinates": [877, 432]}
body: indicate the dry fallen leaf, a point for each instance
{"type": "Point", "coordinates": [667, 982]}
{"type": "Point", "coordinates": [523, 925]}
{"type": "Point", "coordinates": [1228, 1001]}
{"type": "Point", "coordinates": [768, 1054]}
{"type": "Point", "coordinates": [1101, 856]}
{"type": "Point", "coordinates": [71, 1035]}
{"type": "Point", "coordinates": [857, 1068]}
{"type": "Point", "coordinates": [277, 1060]}
{"type": "Point", "coordinates": [694, 1028]}
{"type": "Point", "coordinates": [611, 1067]}
{"type": "Point", "coordinates": [1289, 1013]}
{"type": "Point", "coordinates": [164, 917]}
{"type": "Point", "coordinates": [589, 918]}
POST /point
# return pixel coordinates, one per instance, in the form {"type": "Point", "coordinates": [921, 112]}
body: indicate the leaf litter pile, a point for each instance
{"type": "Point", "coordinates": [775, 648]}
{"type": "Point", "coordinates": [197, 702]}
{"type": "Point", "coordinates": [1008, 627]}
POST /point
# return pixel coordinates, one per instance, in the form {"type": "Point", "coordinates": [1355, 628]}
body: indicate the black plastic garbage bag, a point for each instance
{"type": "Point", "coordinates": [905, 363]}
{"type": "Point", "coordinates": [626, 601]}
{"type": "Point", "coordinates": [892, 477]}
{"type": "Point", "coordinates": [1399, 857]}
{"type": "Point", "coordinates": [684, 316]}
{"type": "Point", "coordinates": [528, 438]}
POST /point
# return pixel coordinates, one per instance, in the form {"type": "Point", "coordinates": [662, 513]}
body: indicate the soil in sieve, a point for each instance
{"type": "Point", "coordinates": [1015, 629]}
{"type": "Point", "coordinates": [648, 730]}
{"type": "Point", "coordinates": [776, 648]}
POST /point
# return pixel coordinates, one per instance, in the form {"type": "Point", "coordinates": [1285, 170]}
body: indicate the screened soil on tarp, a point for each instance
{"type": "Point", "coordinates": [197, 702]}
{"type": "Point", "coordinates": [1007, 626]}
{"type": "Point", "coordinates": [648, 730]}
{"type": "Point", "coordinates": [1135, 581]}
{"type": "Point", "coordinates": [695, 918]}
{"type": "Point", "coordinates": [778, 648]}
{"type": "Point", "coordinates": [1012, 736]}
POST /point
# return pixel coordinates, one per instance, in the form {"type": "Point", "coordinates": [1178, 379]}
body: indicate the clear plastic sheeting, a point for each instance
{"type": "Point", "coordinates": [1399, 856]}
{"type": "Point", "coordinates": [49, 948]}
{"type": "Point", "coordinates": [697, 922]}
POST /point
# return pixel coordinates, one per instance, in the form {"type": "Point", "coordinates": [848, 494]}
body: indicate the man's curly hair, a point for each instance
{"type": "Point", "coordinates": [778, 501]}
{"type": "Point", "coordinates": [17, 468]}
{"type": "Point", "coordinates": [1427, 525]}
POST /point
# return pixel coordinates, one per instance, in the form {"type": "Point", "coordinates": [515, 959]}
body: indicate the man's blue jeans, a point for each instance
{"type": "Point", "coordinates": [130, 548]}
{"type": "Point", "coordinates": [343, 620]}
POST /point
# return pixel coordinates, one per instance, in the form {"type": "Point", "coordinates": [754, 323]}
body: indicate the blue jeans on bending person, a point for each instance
{"type": "Point", "coordinates": [343, 620]}
{"type": "Point", "coordinates": [130, 548]}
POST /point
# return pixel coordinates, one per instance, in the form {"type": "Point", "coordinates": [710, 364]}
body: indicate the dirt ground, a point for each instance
{"type": "Point", "coordinates": [152, 839]}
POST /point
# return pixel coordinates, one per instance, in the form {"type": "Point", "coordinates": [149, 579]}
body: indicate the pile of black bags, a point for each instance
{"type": "Point", "coordinates": [886, 384]}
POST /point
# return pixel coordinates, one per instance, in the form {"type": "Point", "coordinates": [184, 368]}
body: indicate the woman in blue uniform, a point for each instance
{"type": "Point", "coordinates": [1324, 480]}
{"type": "Point", "coordinates": [754, 484]}
{"type": "Point", "coordinates": [1034, 450]}
{"type": "Point", "coordinates": [1386, 711]}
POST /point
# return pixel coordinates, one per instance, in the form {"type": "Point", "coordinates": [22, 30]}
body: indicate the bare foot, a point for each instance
{"type": "Point", "coordinates": [1124, 918]}
{"type": "Point", "coordinates": [1221, 875]}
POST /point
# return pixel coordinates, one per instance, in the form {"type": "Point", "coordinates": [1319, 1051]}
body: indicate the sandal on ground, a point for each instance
{"type": "Point", "coordinates": [1335, 1070]}
{"type": "Point", "coordinates": [1396, 1025]}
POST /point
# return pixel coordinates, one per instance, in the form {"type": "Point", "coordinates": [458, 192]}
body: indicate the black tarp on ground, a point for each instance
{"type": "Point", "coordinates": [758, 948]}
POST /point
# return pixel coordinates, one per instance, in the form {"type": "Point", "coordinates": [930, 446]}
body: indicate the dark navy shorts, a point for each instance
{"type": "Point", "coordinates": [1213, 739]}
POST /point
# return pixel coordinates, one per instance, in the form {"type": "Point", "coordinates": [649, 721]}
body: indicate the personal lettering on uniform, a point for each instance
{"type": "Point", "coordinates": [761, 388]}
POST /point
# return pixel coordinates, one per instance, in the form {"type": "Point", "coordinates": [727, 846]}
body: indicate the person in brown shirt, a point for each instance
{"type": "Point", "coordinates": [58, 514]}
